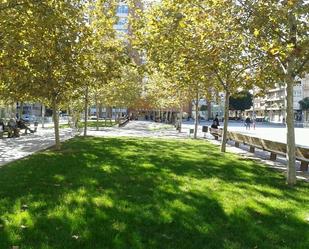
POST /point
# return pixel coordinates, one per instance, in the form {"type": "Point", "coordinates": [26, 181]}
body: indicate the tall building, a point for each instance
{"type": "Point", "coordinates": [272, 106]}
{"type": "Point", "coordinates": [122, 13]}
{"type": "Point", "coordinates": [305, 84]}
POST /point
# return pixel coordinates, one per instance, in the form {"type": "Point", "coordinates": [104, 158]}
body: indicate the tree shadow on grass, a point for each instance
{"type": "Point", "coordinates": [133, 193]}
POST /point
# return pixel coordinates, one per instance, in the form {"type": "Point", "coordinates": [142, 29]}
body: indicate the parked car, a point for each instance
{"type": "Point", "coordinates": [29, 118]}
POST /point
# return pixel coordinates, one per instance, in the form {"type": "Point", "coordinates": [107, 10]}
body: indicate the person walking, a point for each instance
{"type": "Point", "coordinates": [248, 123]}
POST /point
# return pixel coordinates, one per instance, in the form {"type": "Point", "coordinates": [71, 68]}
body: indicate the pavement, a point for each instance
{"type": "Point", "coordinates": [274, 132]}
{"type": "Point", "coordinates": [16, 148]}
{"type": "Point", "coordinates": [12, 149]}
{"type": "Point", "coordinates": [140, 129]}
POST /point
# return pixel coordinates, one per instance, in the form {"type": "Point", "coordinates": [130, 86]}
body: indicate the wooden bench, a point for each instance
{"type": "Point", "coordinates": [123, 122]}
{"type": "Point", "coordinates": [2, 132]}
{"type": "Point", "coordinates": [15, 133]}
{"type": "Point", "coordinates": [275, 148]}
{"type": "Point", "coordinates": [216, 132]}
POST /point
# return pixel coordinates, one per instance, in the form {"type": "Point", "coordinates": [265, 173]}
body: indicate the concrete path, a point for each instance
{"type": "Point", "coordinates": [274, 132]}
{"type": "Point", "coordinates": [140, 129]}
{"type": "Point", "coordinates": [15, 148]}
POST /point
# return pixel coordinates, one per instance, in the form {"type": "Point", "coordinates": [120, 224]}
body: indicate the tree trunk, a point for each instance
{"type": "Point", "coordinates": [180, 120]}
{"type": "Point", "coordinates": [56, 124]}
{"type": "Point", "coordinates": [116, 115]}
{"type": "Point", "coordinates": [43, 115]}
{"type": "Point", "coordinates": [21, 107]}
{"type": "Point", "coordinates": [209, 109]}
{"type": "Point", "coordinates": [86, 112]}
{"type": "Point", "coordinates": [97, 112]}
{"type": "Point", "coordinates": [291, 168]}
{"type": "Point", "coordinates": [109, 112]}
{"type": "Point", "coordinates": [226, 121]}
{"type": "Point", "coordinates": [101, 111]}
{"type": "Point", "coordinates": [196, 115]}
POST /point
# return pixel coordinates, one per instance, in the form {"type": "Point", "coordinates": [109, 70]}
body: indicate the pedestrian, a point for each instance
{"type": "Point", "coordinates": [248, 123]}
{"type": "Point", "coordinates": [214, 125]}
{"type": "Point", "coordinates": [21, 124]}
{"type": "Point", "coordinates": [13, 130]}
{"type": "Point", "coordinates": [216, 120]}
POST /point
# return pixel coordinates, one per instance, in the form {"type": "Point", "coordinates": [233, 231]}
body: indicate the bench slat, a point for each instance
{"type": "Point", "coordinates": [274, 147]}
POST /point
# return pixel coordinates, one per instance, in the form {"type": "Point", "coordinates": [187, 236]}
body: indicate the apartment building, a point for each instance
{"type": "Point", "coordinates": [272, 106]}
{"type": "Point", "coordinates": [122, 13]}
{"type": "Point", "coordinates": [305, 84]}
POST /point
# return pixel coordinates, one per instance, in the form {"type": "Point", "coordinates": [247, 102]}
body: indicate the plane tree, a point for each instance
{"type": "Point", "coordinates": [281, 35]}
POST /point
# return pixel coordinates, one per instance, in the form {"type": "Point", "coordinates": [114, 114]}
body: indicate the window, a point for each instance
{"type": "Point", "coordinates": [122, 21]}
{"type": "Point", "coordinates": [123, 9]}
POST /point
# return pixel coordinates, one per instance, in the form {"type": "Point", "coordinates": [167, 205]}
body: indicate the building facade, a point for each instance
{"type": "Point", "coordinates": [272, 106]}
{"type": "Point", "coordinates": [122, 13]}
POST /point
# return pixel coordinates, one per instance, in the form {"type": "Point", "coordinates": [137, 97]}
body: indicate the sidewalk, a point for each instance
{"type": "Point", "coordinates": [140, 129]}
{"type": "Point", "coordinates": [15, 148]}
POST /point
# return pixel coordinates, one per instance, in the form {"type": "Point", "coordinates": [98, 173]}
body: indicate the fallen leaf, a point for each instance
{"type": "Point", "coordinates": [75, 237]}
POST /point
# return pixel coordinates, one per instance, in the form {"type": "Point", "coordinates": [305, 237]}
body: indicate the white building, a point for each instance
{"type": "Point", "coordinates": [272, 106]}
{"type": "Point", "coordinates": [122, 13]}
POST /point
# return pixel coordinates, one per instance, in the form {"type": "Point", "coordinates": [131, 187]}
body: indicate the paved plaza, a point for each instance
{"type": "Point", "coordinates": [15, 148]}
{"type": "Point", "coordinates": [274, 132]}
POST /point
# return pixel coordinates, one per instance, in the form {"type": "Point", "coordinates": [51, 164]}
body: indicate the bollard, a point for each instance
{"type": "Point", "coordinates": [36, 124]}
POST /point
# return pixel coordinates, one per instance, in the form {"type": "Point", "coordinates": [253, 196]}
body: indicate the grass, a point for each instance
{"type": "Point", "coordinates": [91, 124]}
{"type": "Point", "coordinates": [144, 193]}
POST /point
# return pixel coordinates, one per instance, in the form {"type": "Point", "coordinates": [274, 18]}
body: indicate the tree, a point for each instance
{"type": "Point", "coordinates": [105, 53]}
{"type": "Point", "coordinates": [164, 94]}
{"type": "Point", "coordinates": [168, 35]}
{"type": "Point", "coordinates": [47, 53]}
{"type": "Point", "coordinates": [281, 35]}
{"type": "Point", "coordinates": [241, 101]}
{"type": "Point", "coordinates": [125, 90]}
{"type": "Point", "coordinates": [304, 104]}
{"type": "Point", "coordinates": [15, 23]}
{"type": "Point", "coordinates": [223, 49]}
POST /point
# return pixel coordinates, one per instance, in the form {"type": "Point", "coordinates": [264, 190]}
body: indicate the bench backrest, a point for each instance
{"type": "Point", "coordinates": [273, 146]}
{"type": "Point", "coordinates": [216, 131]}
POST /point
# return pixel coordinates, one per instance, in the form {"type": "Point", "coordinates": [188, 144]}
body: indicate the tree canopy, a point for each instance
{"type": "Point", "coordinates": [241, 101]}
{"type": "Point", "coordinates": [304, 104]}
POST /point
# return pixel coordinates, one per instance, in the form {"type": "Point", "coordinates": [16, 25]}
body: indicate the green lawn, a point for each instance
{"type": "Point", "coordinates": [146, 193]}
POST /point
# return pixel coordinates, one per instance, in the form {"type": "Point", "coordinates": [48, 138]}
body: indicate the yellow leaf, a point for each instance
{"type": "Point", "coordinates": [256, 32]}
